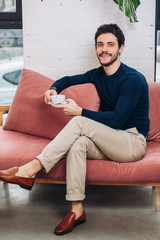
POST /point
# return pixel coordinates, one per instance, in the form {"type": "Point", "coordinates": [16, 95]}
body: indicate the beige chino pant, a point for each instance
{"type": "Point", "coordinates": [84, 138]}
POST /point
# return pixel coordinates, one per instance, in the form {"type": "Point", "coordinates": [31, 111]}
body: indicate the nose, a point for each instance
{"type": "Point", "coordinates": [105, 48]}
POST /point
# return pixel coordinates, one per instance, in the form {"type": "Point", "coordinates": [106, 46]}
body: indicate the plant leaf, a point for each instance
{"type": "Point", "coordinates": [130, 7]}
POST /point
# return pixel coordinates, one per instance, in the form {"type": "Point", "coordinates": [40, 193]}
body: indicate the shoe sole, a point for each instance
{"type": "Point", "coordinates": [83, 221]}
{"type": "Point", "coordinates": [21, 185]}
{"type": "Point", "coordinates": [25, 187]}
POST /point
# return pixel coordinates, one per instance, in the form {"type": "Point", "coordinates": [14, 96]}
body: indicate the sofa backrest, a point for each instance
{"type": "Point", "coordinates": [154, 111]}
{"type": "Point", "coordinates": [29, 114]}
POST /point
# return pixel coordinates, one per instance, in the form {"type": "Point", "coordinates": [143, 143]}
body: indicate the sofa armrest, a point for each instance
{"type": "Point", "coordinates": [3, 108]}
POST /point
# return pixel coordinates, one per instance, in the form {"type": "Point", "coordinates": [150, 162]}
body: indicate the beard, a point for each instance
{"type": "Point", "coordinates": [112, 60]}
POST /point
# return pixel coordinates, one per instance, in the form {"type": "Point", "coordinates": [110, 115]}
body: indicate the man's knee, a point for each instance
{"type": "Point", "coordinates": [78, 121]}
{"type": "Point", "coordinates": [80, 144]}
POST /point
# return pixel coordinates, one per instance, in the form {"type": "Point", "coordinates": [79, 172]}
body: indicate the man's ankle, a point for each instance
{"type": "Point", "coordinates": [77, 208]}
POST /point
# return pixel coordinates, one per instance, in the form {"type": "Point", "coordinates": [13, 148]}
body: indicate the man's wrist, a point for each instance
{"type": "Point", "coordinates": [80, 111]}
{"type": "Point", "coordinates": [53, 88]}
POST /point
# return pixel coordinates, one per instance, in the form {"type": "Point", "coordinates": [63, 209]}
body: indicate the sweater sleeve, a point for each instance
{"type": "Point", "coordinates": [130, 92]}
{"type": "Point", "coordinates": [68, 81]}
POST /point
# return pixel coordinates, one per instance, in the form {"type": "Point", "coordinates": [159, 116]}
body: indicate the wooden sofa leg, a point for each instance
{"type": "Point", "coordinates": [157, 192]}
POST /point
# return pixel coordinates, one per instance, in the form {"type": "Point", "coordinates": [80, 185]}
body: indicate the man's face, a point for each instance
{"type": "Point", "coordinates": [107, 49]}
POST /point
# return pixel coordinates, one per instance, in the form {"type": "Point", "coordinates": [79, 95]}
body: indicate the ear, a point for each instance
{"type": "Point", "coordinates": [121, 49]}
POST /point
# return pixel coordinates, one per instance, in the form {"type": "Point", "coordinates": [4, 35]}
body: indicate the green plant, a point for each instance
{"type": "Point", "coordinates": [129, 7]}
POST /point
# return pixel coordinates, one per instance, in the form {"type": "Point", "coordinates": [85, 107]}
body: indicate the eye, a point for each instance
{"type": "Point", "coordinates": [99, 44]}
{"type": "Point", "coordinates": [110, 44]}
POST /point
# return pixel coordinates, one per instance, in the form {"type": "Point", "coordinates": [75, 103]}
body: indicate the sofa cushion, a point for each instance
{"type": "Point", "coordinates": [18, 149]}
{"type": "Point", "coordinates": [29, 114]}
{"type": "Point", "coordinates": [144, 171]}
{"type": "Point", "coordinates": [154, 111]}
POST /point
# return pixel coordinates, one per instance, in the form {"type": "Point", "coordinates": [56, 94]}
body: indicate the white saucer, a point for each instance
{"type": "Point", "coordinates": [58, 103]}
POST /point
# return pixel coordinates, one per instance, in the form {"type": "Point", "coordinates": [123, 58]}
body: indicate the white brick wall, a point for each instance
{"type": "Point", "coordinates": [59, 35]}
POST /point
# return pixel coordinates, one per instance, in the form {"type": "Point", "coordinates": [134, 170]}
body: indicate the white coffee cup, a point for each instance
{"type": "Point", "coordinates": [58, 99]}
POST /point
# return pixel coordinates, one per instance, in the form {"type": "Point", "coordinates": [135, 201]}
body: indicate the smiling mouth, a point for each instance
{"type": "Point", "coordinates": [105, 55]}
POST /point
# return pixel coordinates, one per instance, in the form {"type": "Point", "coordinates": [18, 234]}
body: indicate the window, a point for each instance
{"type": "Point", "coordinates": [11, 14]}
{"type": "Point", "coordinates": [9, 6]}
{"type": "Point", "coordinates": [11, 48]}
{"type": "Point", "coordinates": [158, 14]}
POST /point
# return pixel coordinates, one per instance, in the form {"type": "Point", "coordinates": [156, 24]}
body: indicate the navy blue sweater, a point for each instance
{"type": "Point", "coordinates": [124, 97]}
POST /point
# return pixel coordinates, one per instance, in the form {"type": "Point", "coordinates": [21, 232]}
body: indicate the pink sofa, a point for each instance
{"type": "Point", "coordinates": [31, 124]}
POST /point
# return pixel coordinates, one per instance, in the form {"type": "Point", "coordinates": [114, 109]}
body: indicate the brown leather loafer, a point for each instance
{"type": "Point", "coordinates": [10, 177]}
{"type": "Point", "coordinates": [69, 223]}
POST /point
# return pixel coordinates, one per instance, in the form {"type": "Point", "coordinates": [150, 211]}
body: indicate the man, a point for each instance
{"type": "Point", "coordinates": [117, 133]}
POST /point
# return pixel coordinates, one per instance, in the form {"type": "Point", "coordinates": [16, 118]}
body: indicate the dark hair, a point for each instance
{"type": "Point", "coordinates": [111, 28]}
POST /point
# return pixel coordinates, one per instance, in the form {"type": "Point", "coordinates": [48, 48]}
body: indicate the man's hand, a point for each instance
{"type": "Point", "coordinates": [71, 108]}
{"type": "Point", "coordinates": [47, 95]}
